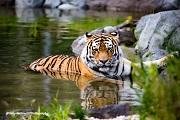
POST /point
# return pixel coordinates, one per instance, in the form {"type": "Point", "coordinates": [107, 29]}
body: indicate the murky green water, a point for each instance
{"type": "Point", "coordinates": [27, 34]}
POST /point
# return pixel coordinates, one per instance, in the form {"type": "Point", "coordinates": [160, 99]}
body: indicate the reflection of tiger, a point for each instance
{"type": "Point", "coordinates": [95, 92]}
{"type": "Point", "coordinates": [100, 57]}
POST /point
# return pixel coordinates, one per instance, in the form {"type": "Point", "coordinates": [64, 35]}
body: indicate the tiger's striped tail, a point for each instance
{"type": "Point", "coordinates": [26, 66]}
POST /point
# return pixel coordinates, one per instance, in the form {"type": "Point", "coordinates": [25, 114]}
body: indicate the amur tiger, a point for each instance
{"type": "Point", "coordinates": [100, 57]}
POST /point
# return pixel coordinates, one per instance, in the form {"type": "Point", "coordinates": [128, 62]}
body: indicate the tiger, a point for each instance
{"type": "Point", "coordinates": [101, 56]}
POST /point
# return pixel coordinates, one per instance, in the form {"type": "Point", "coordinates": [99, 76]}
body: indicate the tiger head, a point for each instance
{"type": "Point", "coordinates": [101, 52]}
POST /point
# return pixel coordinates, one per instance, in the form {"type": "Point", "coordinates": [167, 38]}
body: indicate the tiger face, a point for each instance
{"type": "Point", "coordinates": [101, 52]}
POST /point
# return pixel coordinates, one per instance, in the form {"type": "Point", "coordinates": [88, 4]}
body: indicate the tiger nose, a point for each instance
{"type": "Point", "coordinates": [103, 61]}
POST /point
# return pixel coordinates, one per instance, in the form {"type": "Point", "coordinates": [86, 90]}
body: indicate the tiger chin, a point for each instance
{"type": "Point", "coordinates": [101, 56]}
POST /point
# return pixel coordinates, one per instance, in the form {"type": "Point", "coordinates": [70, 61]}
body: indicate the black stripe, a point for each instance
{"type": "Point", "coordinates": [131, 70]}
{"type": "Point", "coordinates": [65, 57]}
{"type": "Point", "coordinates": [87, 52]}
{"type": "Point", "coordinates": [55, 60]}
{"type": "Point", "coordinates": [68, 63]}
{"type": "Point", "coordinates": [77, 64]}
{"type": "Point", "coordinates": [44, 71]}
{"type": "Point", "coordinates": [122, 69]}
{"type": "Point", "coordinates": [117, 68]}
{"type": "Point", "coordinates": [47, 59]}
{"type": "Point", "coordinates": [60, 74]}
{"type": "Point", "coordinates": [53, 74]}
{"type": "Point", "coordinates": [71, 64]}
{"type": "Point", "coordinates": [35, 67]}
{"type": "Point", "coordinates": [97, 39]}
{"type": "Point", "coordinates": [41, 59]}
{"type": "Point", "coordinates": [49, 65]}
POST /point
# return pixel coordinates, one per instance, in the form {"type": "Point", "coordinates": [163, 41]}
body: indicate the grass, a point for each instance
{"type": "Point", "coordinates": [53, 111]}
{"type": "Point", "coordinates": [161, 92]}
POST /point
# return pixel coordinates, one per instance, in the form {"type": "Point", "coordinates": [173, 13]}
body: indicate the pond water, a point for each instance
{"type": "Point", "coordinates": [28, 34]}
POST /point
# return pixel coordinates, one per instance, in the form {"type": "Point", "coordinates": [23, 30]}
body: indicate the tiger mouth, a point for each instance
{"type": "Point", "coordinates": [97, 68]}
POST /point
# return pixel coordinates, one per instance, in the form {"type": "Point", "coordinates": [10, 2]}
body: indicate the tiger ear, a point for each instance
{"type": "Point", "coordinates": [115, 36]}
{"type": "Point", "coordinates": [88, 36]}
{"type": "Point", "coordinates": [114, 33]}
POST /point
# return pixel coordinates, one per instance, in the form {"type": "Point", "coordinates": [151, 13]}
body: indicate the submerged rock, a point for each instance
{"type": "Point", "coordinates": [157, 33]}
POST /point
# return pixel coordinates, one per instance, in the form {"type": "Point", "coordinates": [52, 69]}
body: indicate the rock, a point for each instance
{"type": "Point", "coordinates": [111, 111]}
{"type": "Point", "coordinates": [52, 3]}
{"type": "Point", "coordinates": [135, 5]}
{"type": "Point", "coordinates": [158, 32]}
{"type": "Point", "coordinates": [7, 2]}
{"type": "Point", "coordinates": [126, 33]}
{"type": "Point", "coordinates": [3, 117]}
{"type": "Point", "coordinates": [29, 3]}
{"type": "Point", "coordinates": [68, 6]}
{"type": "Point", "coordinates": [125, 30]}
{"type": "Point", "coordinates": [168, 5]}
{"type": "Point", "coordinates": [71, 4]}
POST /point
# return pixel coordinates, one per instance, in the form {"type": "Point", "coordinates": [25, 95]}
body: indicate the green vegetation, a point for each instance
{"type": "Point", "coordinates": [89, 24]}
{"type": "Point", "coordinates": [8, 21]}
{"type": "Point", "coordinates": [53, 111]}
{"type": "Point", "coordinates": [34, 31]}
{"type": "Point", "coordinates": [161, 92]}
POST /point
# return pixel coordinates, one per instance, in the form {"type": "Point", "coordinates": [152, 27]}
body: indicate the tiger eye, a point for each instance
{"type": "Point", "coordinates": [95, 49]}
{"type": "Point", "coordinates": [109, 48]}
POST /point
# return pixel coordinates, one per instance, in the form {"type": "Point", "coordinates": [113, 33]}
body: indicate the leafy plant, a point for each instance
{"type": "Point", "coordinates": [53, 111]}
{"type": "Point", "coordinates": [78, 112]}
{"type": "Point", "coordinates": [161, 92]}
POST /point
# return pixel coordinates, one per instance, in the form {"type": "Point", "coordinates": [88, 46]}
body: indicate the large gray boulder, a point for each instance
{"type": "Point", "coordinates": [157, 33]}
{"type": "Point", "coordinates": [134, 5]}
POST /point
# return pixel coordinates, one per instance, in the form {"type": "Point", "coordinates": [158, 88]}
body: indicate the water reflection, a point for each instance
{"type": "Point", "coordinates": [31, 15]}
{"type": "Point", "coordinates": [101, 93]}
{"type": "Point", "coordinates": [46, 51]}
{"type": "Point", "coordinates": [97, 92]}
{"type": "Point", "coordinates": [54, 36]}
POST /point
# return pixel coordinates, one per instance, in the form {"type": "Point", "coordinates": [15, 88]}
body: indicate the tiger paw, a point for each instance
{"type": "Point", "coordinates": [173, 54]}
{"type": "Point", "coordinates": [163, 61]}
